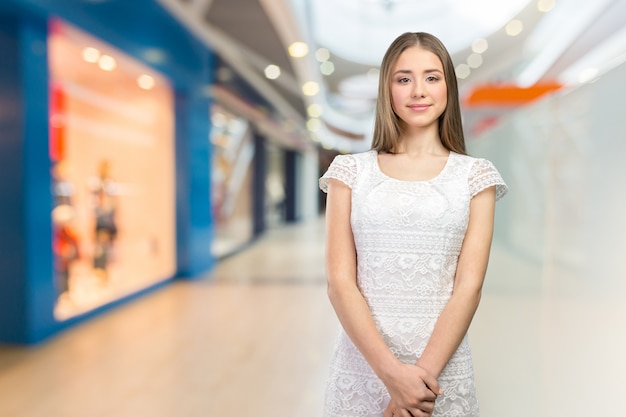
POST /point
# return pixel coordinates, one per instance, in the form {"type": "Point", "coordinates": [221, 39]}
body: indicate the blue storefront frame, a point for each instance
{"type": "Point", "coordinates": [27, 293]}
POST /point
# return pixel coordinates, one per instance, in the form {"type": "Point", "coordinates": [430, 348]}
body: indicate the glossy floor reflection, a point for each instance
{"type": "Point", "coordinates": [255, 338]}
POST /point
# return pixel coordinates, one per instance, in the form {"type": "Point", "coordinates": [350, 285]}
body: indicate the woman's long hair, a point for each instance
{"type": "Point", "coordinates": [387, 127]}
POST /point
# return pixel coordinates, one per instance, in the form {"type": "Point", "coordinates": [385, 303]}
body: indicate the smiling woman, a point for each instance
{"type": "Point", "coordinates": [408, 234]}
{"type": "Point", "coordinates": [418, 88]}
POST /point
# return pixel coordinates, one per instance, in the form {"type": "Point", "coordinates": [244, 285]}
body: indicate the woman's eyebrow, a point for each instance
{"type": "Point", "coordinates": [428, 71]}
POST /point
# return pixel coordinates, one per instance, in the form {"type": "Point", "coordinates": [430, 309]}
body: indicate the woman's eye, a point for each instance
{"type": "Point", "coordinates": [403, 80]}
{"type": "Point", "coordinates": [432, 79]}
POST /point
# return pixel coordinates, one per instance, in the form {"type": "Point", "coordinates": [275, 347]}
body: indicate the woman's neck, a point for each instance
{"type": "Point", "coordinates": [420, 143]}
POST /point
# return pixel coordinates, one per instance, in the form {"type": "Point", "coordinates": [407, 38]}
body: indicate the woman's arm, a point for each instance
{"type": "Point", "coordinates": [455, 319]}
{"type": "Point", "coordinates": [406, 383]}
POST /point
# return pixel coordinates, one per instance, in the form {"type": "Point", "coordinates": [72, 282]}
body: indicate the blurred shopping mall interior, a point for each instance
{"type": "Point", "coordinates": [163, 228]}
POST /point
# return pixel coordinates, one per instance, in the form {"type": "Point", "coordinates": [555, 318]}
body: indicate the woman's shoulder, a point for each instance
{"type": "Point", "coordinates": [468, 164]}
{"type": "Point", "coordinates": [346, 168]}
{"type": "Point", "coordinates": [357, 158]}
{"type": "Point", "coordinates": [365, 155]}
{"type": "Point", "coordinates": [482, 173]}
{"type": "Point", "coordinates": [470, 161]}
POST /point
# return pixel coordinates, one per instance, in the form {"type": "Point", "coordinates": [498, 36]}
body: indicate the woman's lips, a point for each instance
{"type": "Point", "coordinates": [419, 107]}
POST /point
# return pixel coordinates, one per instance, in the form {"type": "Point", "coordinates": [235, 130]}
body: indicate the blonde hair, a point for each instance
{"type": "Point", "coordinates": [387, 127]}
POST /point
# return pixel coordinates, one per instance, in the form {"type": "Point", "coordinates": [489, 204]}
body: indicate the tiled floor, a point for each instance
{"type": "Point", "coordinates": [255, 338]}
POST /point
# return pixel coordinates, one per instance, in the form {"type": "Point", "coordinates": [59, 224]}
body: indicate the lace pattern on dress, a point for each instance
{"type": "Point", "coordinates": [343, 168]}
{"type": "Point", "coordinates": [484, 175]}
{"type": "Point", "coordinates": [408, 236]}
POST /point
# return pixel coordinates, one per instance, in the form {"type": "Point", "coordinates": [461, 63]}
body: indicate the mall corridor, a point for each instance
{"type": "Point", "coordinates": [255, 338]}
{"type": "Point", "coordinates": [162, 250]}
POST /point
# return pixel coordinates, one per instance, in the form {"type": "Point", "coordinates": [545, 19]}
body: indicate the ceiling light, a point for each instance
{"type": "Point", "coordinates": [475, 60]}
{"type": "Point", "coordinates": [107, 63]}
{"type": "Point", "coordinates": [91, 55]}
{"type": "Point", "coordinates": [314, 125]}
{"type": "Point", "coordinates": [298, 49]}
{"type": "Point", "coordinates": [310, 88]}
{"type": "Point", "coordinates": [514, 27]}
{"type": "Point", "coordinates": [545, 6]}
{"type": "Point", "coordinates": [462, 71]}
{"type": "Point", "coordinates": [322, 54]}
{"type": "Point", "coordinates": [314, 110]}
{"type": "Point", "coordinates": [272, 72]}
{"type": "Point", "coordinates": [327, 67]}
{"type": "Point", "coordinates": [480, 45]}
{"type": "Point", "coordinates": [145, 81]}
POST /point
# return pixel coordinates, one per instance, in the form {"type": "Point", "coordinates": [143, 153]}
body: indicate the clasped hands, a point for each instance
{"type": "Point", "coordinates": [413, 392]}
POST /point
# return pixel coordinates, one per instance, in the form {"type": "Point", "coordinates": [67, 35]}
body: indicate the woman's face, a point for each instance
{"type": "Point", "coordinates": [418, 88]}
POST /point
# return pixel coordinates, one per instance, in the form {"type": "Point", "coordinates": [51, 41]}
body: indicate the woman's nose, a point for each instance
{"type": "Point", "coordinates": [418, 90]}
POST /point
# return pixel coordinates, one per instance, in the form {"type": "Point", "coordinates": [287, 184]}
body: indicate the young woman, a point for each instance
{"type": "Point", "coordinates": [408, 233]}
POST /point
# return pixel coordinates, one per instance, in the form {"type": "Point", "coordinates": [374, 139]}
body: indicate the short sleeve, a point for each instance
{"type": "Point", "coordinates": [342, 168]}
{"type": "Point", "coordinates": [484, 175]}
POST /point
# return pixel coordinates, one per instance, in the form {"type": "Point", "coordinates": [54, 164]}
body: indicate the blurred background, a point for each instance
{"type": "Point", "coordinates": [162, 248]}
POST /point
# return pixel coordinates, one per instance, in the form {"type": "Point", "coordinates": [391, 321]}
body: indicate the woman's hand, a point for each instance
{"type": "Point", "coordinates": [413, 392]}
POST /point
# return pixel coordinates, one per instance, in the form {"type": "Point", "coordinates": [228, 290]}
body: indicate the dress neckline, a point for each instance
{"type": "Point", "coordinates": [380, 171]}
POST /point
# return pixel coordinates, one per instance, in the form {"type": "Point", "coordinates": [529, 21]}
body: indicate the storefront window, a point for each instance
{"type": "Point", "coordinates": [112, 152]}
{"type": "Point", "coordinates": [233, 152]}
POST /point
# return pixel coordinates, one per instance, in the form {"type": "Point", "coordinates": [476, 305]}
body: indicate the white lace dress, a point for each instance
{"type": "Point", "coordinates": [408, 236]}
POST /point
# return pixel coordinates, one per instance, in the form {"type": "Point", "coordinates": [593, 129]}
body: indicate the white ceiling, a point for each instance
{"type": "Point", "coordinates": [574, 39]}
{"type": "Point", "coordinates": [361, 30]}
